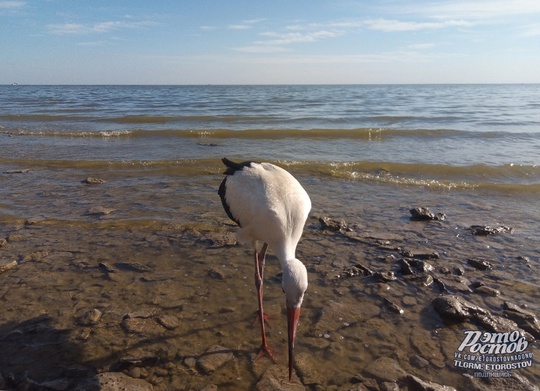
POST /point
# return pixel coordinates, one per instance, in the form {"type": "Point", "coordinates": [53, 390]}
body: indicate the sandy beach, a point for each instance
{"type": "Point", "coordinates": [170, 306]}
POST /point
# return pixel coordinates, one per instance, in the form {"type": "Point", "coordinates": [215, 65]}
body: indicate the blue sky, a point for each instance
{"type": "Point", "coordinates": [269, 42]}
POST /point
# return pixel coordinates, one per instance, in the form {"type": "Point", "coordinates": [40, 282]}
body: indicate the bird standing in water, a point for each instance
{"type": "Point", "coordinates": [270, 206]}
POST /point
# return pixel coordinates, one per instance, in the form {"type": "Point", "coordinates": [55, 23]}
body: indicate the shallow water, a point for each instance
{"type": "Point", "coordinates": [365, 154]}
{"type": "Point", "coordinates": [210, 289]}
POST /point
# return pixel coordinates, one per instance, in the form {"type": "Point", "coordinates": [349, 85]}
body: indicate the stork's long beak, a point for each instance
{"type": "Point", "coordinates": [293, 315]}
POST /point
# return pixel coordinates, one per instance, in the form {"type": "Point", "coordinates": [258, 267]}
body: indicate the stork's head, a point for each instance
{"type": "Point", "coordinates": [294, 283]}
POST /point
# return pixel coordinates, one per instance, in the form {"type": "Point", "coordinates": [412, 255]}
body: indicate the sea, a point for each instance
{"type": "Point", "coordinates": [366, 154]}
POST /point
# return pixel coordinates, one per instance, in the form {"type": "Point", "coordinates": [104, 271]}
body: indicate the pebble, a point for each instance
{"type": "Point", "coordinates": [213, 358]}
{"type": "Point", "coordinates": [5, 266]}
{"type": "Point", "coordinates": [423, 213]}
{"type": "Point", "coordinates": [93, 181]}
{"type": "Point", "coordinates": [480, 264]}
{"type": "Point", "coordinates": [90, 318]}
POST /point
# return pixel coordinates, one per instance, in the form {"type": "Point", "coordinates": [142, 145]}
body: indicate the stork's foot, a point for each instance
{"type": "Point", "coordinates": [266, 351]}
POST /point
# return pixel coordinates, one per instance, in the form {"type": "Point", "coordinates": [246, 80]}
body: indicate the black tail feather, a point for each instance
{"type": "Point", "coordinates": [232, 167]}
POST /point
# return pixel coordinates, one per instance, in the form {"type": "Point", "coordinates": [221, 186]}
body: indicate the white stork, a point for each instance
{"type": "Point", "coordinates": [271, 207]}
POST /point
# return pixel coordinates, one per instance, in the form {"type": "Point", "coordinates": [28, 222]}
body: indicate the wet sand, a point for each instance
{"type": "Point", "coordinates": [172, 301]}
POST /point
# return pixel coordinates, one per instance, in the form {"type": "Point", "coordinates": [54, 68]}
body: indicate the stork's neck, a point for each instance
{"type": "Point", "coordinates": [286, 256]}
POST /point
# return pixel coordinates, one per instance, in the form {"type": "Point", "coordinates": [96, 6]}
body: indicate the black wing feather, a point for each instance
{"type": "Point", "coordinates": [232, 167]}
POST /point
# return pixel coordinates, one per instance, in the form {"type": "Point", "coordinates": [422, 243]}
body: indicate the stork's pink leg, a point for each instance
{"type": "Point", "coordinates": [259, 274]}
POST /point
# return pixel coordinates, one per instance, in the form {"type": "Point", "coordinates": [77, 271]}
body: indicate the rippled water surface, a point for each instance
{"type": "Point", "coordinates": [365, 154]}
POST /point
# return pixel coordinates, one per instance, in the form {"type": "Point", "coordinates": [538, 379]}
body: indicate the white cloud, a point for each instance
{"type": "Point", "coordinates": [476, 9]}
{"type": "Point", "coordinates": [239, 27]}
{"type": "Point", "coordinates": [260, 49]}
{"type": "Point", "coordinates": [421, 46]}
{"type": "Point", "coordinates": [12, 5]}
{"type": "Point", "coordinates": [296, 37]}
{"type": "Point", "coordinates": [389, 25]}
{"type": "Point", "coordinates": [67, 29]}
{"type": "Point", "coordinates": [102, 27]}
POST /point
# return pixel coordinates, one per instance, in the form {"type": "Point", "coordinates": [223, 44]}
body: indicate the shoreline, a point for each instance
{"type": "Point", "coordinates": [163, 306]}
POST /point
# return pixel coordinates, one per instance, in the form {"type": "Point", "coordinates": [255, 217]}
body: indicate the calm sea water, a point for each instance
{"type": "Point", "coordinates": [439, 136]}
{"type": "Point", "coordinates": [366, 154]}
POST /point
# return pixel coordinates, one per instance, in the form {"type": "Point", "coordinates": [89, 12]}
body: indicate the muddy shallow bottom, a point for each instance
{"type": "Point", "coordinates": [168, 286]}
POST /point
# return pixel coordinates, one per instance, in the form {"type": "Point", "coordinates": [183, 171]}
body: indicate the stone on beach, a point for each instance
{"type": "Point", "coordinates": [485, 230]}
{"type": "Point", "coordinates": [423, 214]}
{"type": "Point", "coordinates": [5, 266]}
{"type": "Point", "coordinates": [90, 318]}
{"type": "Point", "coordinates": [93, 181]}
{"type": "Point", "coordinates": [213, 358]}
{"type": "Point", "coordinates": [423, 385]}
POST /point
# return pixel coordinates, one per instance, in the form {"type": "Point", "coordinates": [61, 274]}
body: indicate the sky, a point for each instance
{"type": "Point", "coordinates": [269, 42]}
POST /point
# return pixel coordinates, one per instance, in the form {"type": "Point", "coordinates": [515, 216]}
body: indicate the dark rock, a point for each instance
{"type": "Point", "coordinates": [419, 255]}
{"type": "Point", "coordinates": [424, 214]}
{"type": "Point", "coordinates": [459, 271]}
{"type": "Point", "coordinates": [486, 290]}
{"type": "Point", "coordinates": [485, 230]}
{"type": "Point", "coordinates": [452, 284]}
{"type": "Point", "coordinates": [457, 309]}
{"type": "Point", "coordinates": [524, 319]}
{"type": "Point", "coordinates": [332, 225]}
{"type": "Point", "coordinates": [20, 171]}
{"type": "Point", "coordinates": [365, 270]}
{"type": "Point", "coordinates": [495, 324]}
{"type": "Point", "coordinates": [480, 264]}
{"type": "Point", "coordinates": [454, 308]}
{"type": "Point", "coordinates": [392, 306]}
{"type": "Point", "coordinates": [93, 181]}
{"type": "Point", "coordinates": [385, 276]}
{"type": "Point", "coordinates": [417, 384]}
{"type": "Point", "coordinates": [412, 266]}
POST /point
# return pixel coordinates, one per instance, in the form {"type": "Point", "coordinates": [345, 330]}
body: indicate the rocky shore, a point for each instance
{"type": "Point", "coordinates": [100, 307]}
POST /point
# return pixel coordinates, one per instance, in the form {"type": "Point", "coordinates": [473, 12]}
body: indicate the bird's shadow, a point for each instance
{"type": "Point", "coordinates": [34, 352]}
